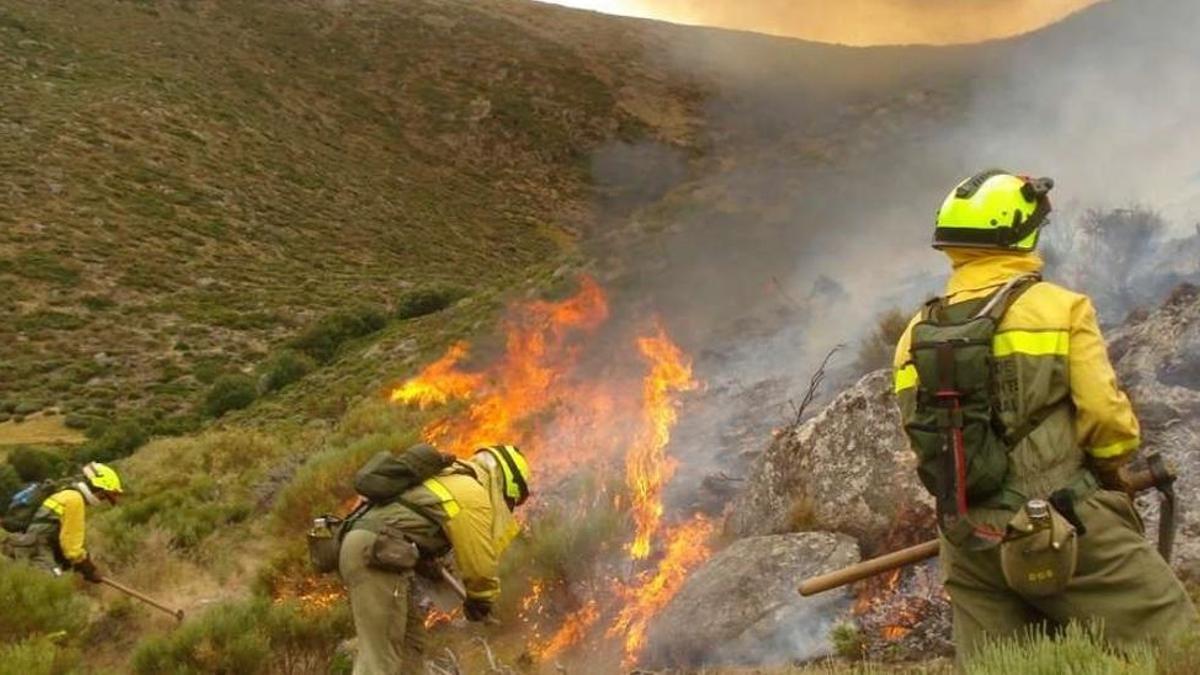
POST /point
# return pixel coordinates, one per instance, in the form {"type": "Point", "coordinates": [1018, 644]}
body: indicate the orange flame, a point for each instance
{"type": "Point", "coordinates": [509, 398]}
{"type": "Point", "coordinates": [687, 547]}
{"type": "Point", "coordinates": [436, 617]}
{"type": "Point", "coordinates": [573, 630]}
{"type": "Point", "coordinates": [441, 381]}
{"type": "Point", "coordinates": [647, 467]}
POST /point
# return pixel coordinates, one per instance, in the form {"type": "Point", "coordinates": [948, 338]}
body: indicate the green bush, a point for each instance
{"type": "Point", "coordinates": [27, 408]}
{"type": "Point", "coordinates": [284, 368]}
{"type": "Point", "coordinates": [322, 340]}
{"type": "Point", "coordinates": [39, 656]}
{"type": "Point", "coordinates": [10, 484]}
{"type": "Point", "coordinates": [36, 603]}
{"type": "Point", "coordinates": [114, 441]}
{"type": "Point", "coordinates": [256, 636]}
{"type": "Point", "coordinates": [77, 421]}
{"type": "Point", "coordinates": [324, 481]}
{"type": "Point", "coordinates": [427, 300]}
{"type": "Point", "coordinates": [32, 464]}
{"type": "Point", "coordinates": [1080, 649]}
{"type": "Point", "coordinates": [229, 392]}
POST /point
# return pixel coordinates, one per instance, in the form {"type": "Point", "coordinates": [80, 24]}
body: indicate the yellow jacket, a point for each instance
{"type": "Point", "coordinates": [67, 507]}
{"type": "Point", "coordinates": [1047, 320]}
{"type": "Point", "coordinates": [467, 501]}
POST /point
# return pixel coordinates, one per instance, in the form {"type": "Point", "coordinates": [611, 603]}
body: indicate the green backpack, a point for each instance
{"type": "Point", "coordinates": [961, 444]}
{"type": "Point", "coordinates": [24, 504]}
{"type": "Point", "coordinates": [382, 480]}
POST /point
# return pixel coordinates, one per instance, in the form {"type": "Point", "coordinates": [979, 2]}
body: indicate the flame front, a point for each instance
{"type": "Point", "coordinates": [687, 547]}
{"type": "Point", "coordinates": [573, 405]}
{"type": "Point", "coordinates": [573, 630]}
{"type": "Point", "coordinates": [647, 466]}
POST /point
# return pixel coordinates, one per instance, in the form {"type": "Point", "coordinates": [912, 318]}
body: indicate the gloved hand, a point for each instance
{"type": "Point", "coordinates": [477, 610]}
{"type": "Point", "coordinates": [87, 569]}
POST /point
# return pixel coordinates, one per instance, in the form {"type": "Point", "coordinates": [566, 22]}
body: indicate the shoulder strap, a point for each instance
{"type": "Point", "coordinates": [1004, 298]}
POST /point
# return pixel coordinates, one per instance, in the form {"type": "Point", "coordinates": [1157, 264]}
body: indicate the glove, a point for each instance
{"type": "Point", "coordinates": [477, 610]}
{"type": "Point", "coordinates": [88, 570]}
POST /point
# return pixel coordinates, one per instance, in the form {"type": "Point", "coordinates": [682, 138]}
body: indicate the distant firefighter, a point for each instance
{"type": "Point", "coordinates": [47, 520]}
{"type": "Point", "coordinates": [1021, 434]}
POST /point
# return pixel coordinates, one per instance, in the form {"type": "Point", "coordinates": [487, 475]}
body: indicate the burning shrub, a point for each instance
{"type": "Point", "coordinates": [255, 636]}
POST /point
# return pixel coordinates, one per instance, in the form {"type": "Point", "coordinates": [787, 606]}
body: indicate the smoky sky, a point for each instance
{"type": "Point", "coordinates": [855, 22]}
{"type": "Point", "coordinates": [812, 207]}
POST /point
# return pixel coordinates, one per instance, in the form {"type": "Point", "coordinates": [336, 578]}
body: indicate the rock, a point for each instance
{"type": "Point", "coordinates": [742, 606]}
{"type": "Point", "coordinates": [847, 470]}
{"type": "Point", "coordinates": [1158, 361]}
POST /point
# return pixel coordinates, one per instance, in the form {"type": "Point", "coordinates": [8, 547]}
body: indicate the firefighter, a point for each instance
{"type": "Point", "coordinates": [52, 537]}
{"type": "Point", "coordinates": [1037, 528]}
{"type": "Point", "coordinates": [467, 508]}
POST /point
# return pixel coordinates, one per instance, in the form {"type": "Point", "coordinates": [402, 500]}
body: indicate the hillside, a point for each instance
{"type": "Point", "coordinates": [180, 204]}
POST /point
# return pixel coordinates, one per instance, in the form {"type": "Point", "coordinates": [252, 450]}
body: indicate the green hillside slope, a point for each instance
{"type": "Point", "coordinates": [187, 185]}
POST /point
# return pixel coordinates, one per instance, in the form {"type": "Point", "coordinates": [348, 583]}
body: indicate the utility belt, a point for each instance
{"type": "Point", "coordinates": [965, 532]}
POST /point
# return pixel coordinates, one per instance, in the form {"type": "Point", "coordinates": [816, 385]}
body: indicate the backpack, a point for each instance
{"type": "Point", "coordinates": [382, 480]}
{"type": "Point", "coordinates": [25, 504]}
{"type": "Point", "coordinates": [962, 446]}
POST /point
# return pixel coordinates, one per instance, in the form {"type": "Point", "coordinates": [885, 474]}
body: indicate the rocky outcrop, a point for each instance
{"type": "Point", "coordinates": [846, 470]}
{"type": "Point", "coordinates": [742, 606]}
{"type": "Point", "coordinates": [1157, 357]}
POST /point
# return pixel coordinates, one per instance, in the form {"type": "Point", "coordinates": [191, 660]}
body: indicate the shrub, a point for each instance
{"type": "Point", "coordinates": [322, 340]}
{"type": "Point", "coordinates": [32, 464]}
{"type": "Point", "coordinates": [876, 350]}
{"type": "Point", "coordinates": [848, 641]}
{"type": "Point", "coordinates": [39, 656]}
{"type": "Point", "coordinates": [324, 481]}
{"type": "Point", "coordinates": [36, 603]}
{"type": "Point", "coordinates": [1080, 649]}
{"type": "Point", "coordinates": [10, 484]}
{"type": "Point", "coordinates": [255, 636]}
{"type": "Point", "coordinates": [427, 300]}
{"type": "Point", "coordinates": [114, 441]}
{"type": "Point", "coordinates": [77, 421]}
{"type": "Point", "coordinates": [284, 368]}
{"type": "Point", "coordinates": [229, 392]}
{"type": "Point", "coordinates": [27, 408]}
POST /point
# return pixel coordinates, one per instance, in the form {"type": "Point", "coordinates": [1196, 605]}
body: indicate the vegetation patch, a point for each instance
{"type": "Point", "coordinates": [428, 299]}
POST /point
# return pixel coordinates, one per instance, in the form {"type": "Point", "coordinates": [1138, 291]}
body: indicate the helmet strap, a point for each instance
{"type": "Point", "coordinates": [88, 496]}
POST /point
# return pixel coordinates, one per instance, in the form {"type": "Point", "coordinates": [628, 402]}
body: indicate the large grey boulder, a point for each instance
{"type": "Point", "coordinates": [848, 470]}
{"type": "Point", "coordinates": [742, 606]}
{"type": "Point", "coordinates": [1157, 358]}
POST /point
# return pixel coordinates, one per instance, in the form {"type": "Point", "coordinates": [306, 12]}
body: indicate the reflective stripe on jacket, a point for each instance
{"type": "Point", "coordinates": [64, 510]}
{"type": "Point", "coordinates": [1049, 353]}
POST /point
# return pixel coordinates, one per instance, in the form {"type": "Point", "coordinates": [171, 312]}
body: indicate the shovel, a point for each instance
{"type": "Point", "coordinates": [177, 613]}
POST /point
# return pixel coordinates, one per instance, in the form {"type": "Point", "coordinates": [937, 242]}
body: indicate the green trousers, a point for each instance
{"type": "Point", "coordinates": [390, 628]}
{"type": "Point", "coordinates": [1120, 580]}
{"type": "Point", "coordinates": [35, 547]}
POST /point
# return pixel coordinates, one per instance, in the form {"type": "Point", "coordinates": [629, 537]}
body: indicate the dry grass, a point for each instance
{"type": "Point", "coordinates": [39, 430]}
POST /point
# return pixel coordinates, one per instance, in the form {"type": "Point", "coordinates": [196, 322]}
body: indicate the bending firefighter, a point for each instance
{"type": "Point", "coordinates": [47, 521]}
{"type": "Point", "coordinates": [1020, 430]}
{"type": "Point", "coordinates": [420, 506]}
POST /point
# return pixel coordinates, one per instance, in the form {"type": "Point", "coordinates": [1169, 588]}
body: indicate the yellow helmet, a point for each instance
{"type": "Point", "coordinates": [516, 472]}
{"type": "Point", "coordinates": [994, 209]}
{"type": "Point", "coordinates": [102, 477]}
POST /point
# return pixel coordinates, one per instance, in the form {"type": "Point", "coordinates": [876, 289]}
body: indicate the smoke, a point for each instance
{"type": "Point", "coordinates": [854, 22]}
{"type": "Point", "coordinates": [811, 209]}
